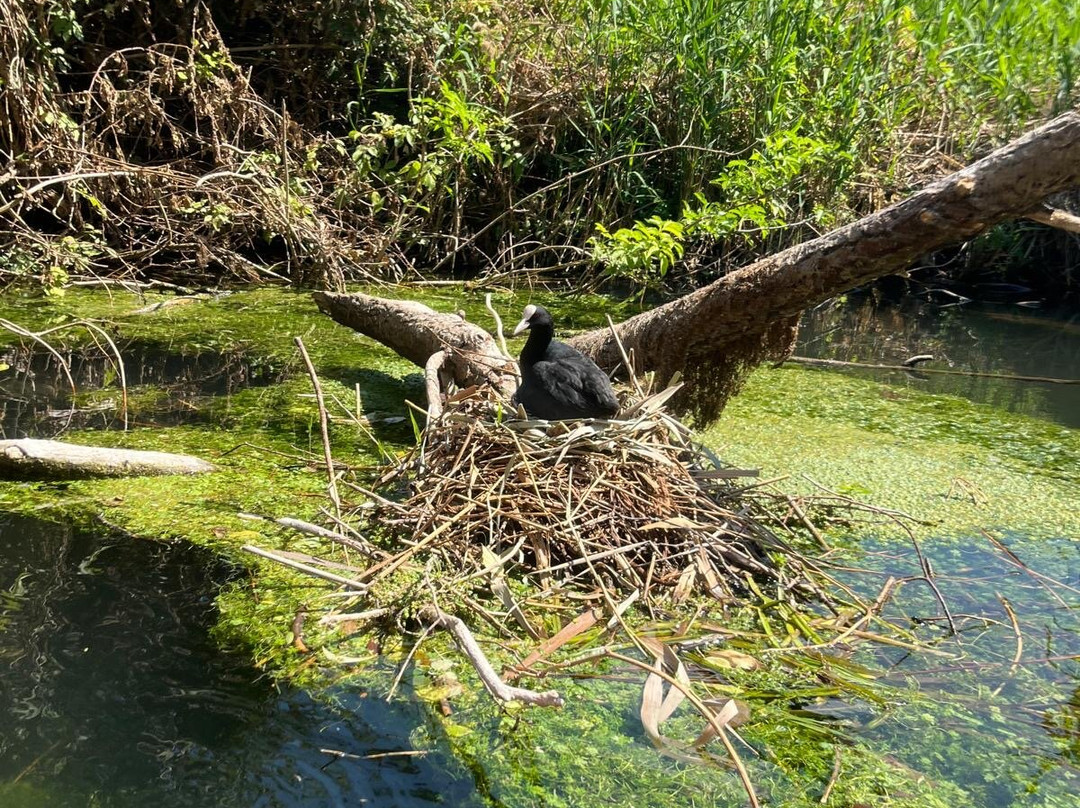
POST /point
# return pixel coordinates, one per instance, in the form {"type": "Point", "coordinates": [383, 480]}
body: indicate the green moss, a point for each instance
{"type": "Point", "coordinates": [940, 458]}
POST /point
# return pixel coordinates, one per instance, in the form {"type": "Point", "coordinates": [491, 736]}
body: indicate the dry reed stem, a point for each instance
{"type": "Point", "coordinates": [324, 428]}
{"type": "Point", "coordinates": [634, 502]}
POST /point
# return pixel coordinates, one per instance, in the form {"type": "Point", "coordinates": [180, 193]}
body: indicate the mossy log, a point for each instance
{"type": "Point", "coordinates": [29, 459]}
{"type": "Point", "coordinates": [714, 334]}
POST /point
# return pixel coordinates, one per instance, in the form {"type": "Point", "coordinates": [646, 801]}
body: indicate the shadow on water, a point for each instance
{"type": "Point", "coordinates": [381, 399]}
{"type": "Point", "coordinates": [988, 339]}
{"type": "Point", "coordinates": [112, 693]}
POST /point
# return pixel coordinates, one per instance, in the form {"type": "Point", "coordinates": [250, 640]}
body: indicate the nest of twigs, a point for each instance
{"type": "Point", "coordinates": [628, 504]}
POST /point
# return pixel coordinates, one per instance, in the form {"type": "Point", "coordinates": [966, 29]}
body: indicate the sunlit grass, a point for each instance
{"type": "Point", "coordinates": [908, 89]}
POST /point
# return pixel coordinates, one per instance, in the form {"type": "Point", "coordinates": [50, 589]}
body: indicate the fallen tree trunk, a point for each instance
{"type": "Point", "coordinates": [695, 333]}
{"type": "Point", "coordinates": [29, 459]}
{"type": "Point", "coordinates": [416, 331]}
{"type": "Point", "coordinates": [717, 333]}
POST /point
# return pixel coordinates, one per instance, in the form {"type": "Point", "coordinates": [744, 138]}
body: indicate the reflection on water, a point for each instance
{"type": "Point", "coordinates": [113, 694]}
{"type": "Point", "coordinates": [993, 339]}
{"type": "Point", "coordinates": [998, 708]}
{"type": "Point", "coordinates": [166, 387]}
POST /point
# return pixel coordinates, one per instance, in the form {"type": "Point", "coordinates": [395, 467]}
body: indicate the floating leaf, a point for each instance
{"type": "Point", "coordinates": [730, 658]}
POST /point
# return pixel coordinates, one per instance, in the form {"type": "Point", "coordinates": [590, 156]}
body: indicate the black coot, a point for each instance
{"type": "Point", "coordinates": [557, 382]}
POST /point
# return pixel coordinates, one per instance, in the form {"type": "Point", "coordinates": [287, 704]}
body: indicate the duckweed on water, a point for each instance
{"type": "Point", "coordinates": [938, 458]}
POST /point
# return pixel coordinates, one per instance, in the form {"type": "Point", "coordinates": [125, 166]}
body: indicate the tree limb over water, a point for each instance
{"type": "Point", "coordinates": [715, 335]}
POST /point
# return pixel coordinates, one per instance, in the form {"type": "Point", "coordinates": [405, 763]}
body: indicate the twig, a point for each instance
{"type": "Point", "coordinates": [376, 755]}
{"type": "Point", "coordinates": [498, 328]}
{"type": "Point", "coordinates": [928, 576]}
{"type": "Point", "coordinates": [341, 617]}
{"type": "Point", "coordinates": [18, 330]}
{"type": "Point", "coordinates": [625, 359]}
{"type": "Point", "coordinates": [833, 777]}
{"type": "Point", "coordinates": [1014, 559]}
{"type": "Point", "coordinates": [296, 565]}
{"type": "Point", "coordinates": [1018, 636]}
{"type": "Point", "coordinates": [431, 382]}
{"type": "Point", "coordinates": [799, 512]}
{"type": "Point", "coordinates": [836, 363]}
{"type": "Point", "coordinates": [57, 180]}
{"type": "Point", "coordinates": [405, 662]}
{"type": "Point", "coordinates": [323, 533]}
{"type": "Point", "coordinates": [468, 645]}
{"type": "Point", "coordinates": [323, 427]}
{"type": "Point", "coordinates": [1063, 220]}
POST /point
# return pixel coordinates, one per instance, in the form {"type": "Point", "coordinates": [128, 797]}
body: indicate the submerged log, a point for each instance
{"type": "Point", "coordinates": [30, 459]}
{"type": "Point", "coordinates": [715, 333]}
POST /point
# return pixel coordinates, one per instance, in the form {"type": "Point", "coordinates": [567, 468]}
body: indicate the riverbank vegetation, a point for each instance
{"type": "Point", "coordinates": [658, 143]}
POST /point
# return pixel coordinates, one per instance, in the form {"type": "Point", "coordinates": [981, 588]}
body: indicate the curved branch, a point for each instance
{"type": "Point", "coordinates": [468, 645]}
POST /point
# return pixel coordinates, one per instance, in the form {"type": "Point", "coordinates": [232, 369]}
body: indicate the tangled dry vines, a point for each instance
{"type": "Point", "coordinates": [168, 165]}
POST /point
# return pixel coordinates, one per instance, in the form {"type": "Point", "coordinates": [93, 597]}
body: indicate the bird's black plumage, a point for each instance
{"type": "Point", "coordinates": [557, 382]}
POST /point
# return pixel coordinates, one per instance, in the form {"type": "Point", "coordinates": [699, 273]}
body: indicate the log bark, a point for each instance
{"type": "Point", "coordinates": [29, 459]}
{"type": "Point", "coordinates": [416, 331]}
{"type": "Point", "coordinates": [1009, 183]}
{"type": "Point", "coordinates": [753, 308]}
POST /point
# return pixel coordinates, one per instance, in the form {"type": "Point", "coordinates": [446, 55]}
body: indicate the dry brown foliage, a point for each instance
{"type": "Point", "coordinates": [167, 164]}
{"type": "Point", "coordinates": [627, 505]}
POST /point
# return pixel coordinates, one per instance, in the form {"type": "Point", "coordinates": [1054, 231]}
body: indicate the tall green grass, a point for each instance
{"type": "Point", "coordinates": [880, 79]}
{"type": "Point", "coordinates": [905, 89]}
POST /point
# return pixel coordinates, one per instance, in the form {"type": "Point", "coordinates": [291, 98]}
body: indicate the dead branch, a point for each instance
{"type": "Point", "coordinates": [301, 526]}
{"type": "Point", "coordinates": [1062, 220]}
{"type": "Point", "coordinates": [305, 568]}
{"type": "Point", "coordinates": [324, 427]}
{"type": "Point", "coordinates": [911, 368]}
{"type": "Point", "coordinates": [28, 459]}
{"type": "Point", "coordinates": [468, 645]}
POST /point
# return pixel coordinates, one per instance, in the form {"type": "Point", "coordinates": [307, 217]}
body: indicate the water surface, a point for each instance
{"type": "Point", "coordinates": [113, 693]}
{"type": "Point", "coordinates": [1006, 339]}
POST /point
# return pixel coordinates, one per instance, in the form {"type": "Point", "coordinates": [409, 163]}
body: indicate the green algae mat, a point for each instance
{"type": "Point", "coordinates": [959, 720]}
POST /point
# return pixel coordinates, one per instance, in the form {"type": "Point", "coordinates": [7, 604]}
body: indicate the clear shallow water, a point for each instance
{"type": "Point", "coordinates": [112, 693]}
{"type": "Point", "coordinates": [36, 400]}
{"type": "Point", "coordinates": [986, 338]}
{"type": "Point", "coordinates": [152, 713]}
{"type": "Point", "coordinates": [998, 713]}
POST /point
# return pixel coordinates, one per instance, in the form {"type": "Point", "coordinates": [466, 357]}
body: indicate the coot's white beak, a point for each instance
{"type": "Point", "coordinates": [522, 326]}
